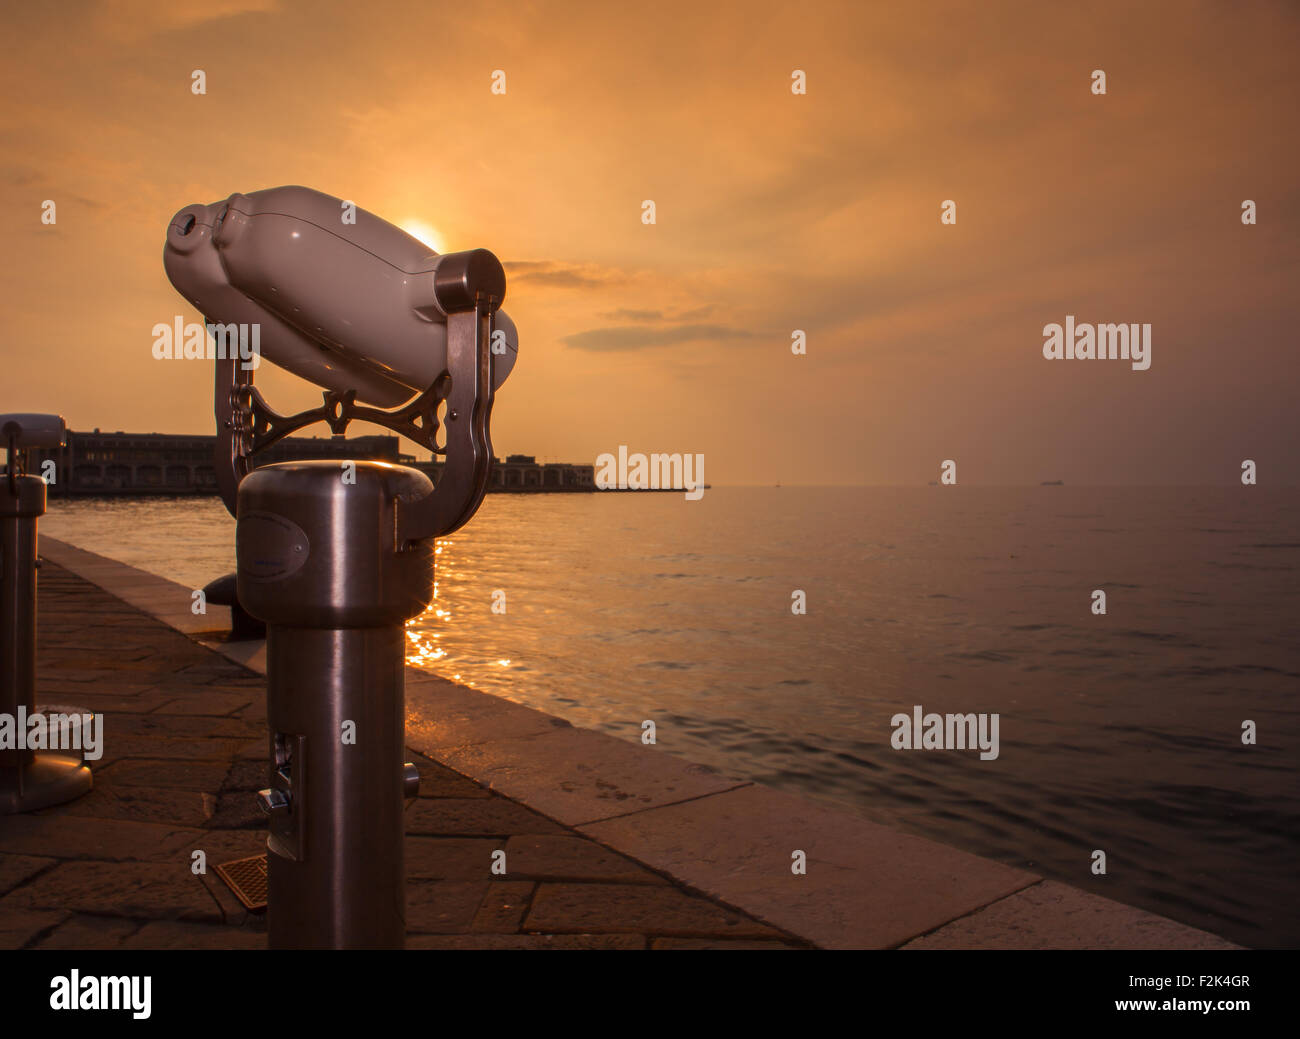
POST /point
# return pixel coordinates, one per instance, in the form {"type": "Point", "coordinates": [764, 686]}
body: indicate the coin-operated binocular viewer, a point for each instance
{"type": "Point", "coordinates": [336, 556]}
{"type": "Point", "coordinates": [29, 779]}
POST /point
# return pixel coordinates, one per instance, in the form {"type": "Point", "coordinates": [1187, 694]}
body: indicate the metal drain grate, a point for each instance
{"type": "Point", "coordinates": [247, 879]}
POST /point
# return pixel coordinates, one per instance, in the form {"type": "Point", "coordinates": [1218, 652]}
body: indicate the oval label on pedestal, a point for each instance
{"type": "Point", "coordinates": [269, 547]}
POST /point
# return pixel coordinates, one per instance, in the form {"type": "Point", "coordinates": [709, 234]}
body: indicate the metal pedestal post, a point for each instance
{"type": "Point", "coordinates": [28, 779]}
{"type": "Point", "coordinates": [320, 563]}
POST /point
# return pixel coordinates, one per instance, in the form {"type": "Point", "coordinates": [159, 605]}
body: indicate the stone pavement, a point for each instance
{"type": "Point", "coordinates": [184, 750]}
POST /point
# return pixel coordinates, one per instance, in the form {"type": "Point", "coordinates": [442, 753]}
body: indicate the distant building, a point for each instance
{"type": "Point", "coordinates": [523, 474]}
{"type": "Point", "coordinates": [165, 464]}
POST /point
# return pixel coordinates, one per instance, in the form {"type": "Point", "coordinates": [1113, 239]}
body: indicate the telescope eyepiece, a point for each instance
{"type": "Point", "coordinates": [190, 228]}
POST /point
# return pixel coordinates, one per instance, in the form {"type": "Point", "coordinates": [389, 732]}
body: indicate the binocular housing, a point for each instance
{"type": "Point", "coordinates": [31, 430]}
{"type": "Point", "coordinates": [344, 299]}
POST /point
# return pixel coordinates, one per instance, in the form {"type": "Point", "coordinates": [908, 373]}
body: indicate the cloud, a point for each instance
{"type": "Point", "coordinates": [557, 274]}
{"type": "Point", "coordinates": [629, 314]}
{"type": "Point", "coordinates": [632, 337]}
{"type": "Point", "coordinates": [139, 19]}
{"type": "Point", "coordinates": [672, 314]}
{"type": "Point", "coordinates": [695, 313]}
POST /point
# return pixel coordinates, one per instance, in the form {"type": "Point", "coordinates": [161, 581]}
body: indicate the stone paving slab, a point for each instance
{"type": "Point", "coordinates": [23, 928]}
{"type": "Point", "coordinates": [557, 857]}
{"type": "Point", "coordinates": [79, 931]}
{"type": "Point", "coordinates": [475, 817]}
{"type": "Point", "coordinates": [17, 869]}
{"type": "Point", "coordinates": [623, 909]}
{"type": "Point", "coordinates": [51, 833]}
{"type": "Point", "coordinates": [740, 944]}
{"type": "Point", "coordinates": [866, 886]}
{"type": "Point", "coordinates": [1056, 916]}
{"type": "Point", "coordinates": [138, 890]}
{"type": "Point", "coordinates": [531, 941]}
{"type": "Point", "coordinates": [572, 775]}
{"type": "Point", "coordinates": [503, 907]}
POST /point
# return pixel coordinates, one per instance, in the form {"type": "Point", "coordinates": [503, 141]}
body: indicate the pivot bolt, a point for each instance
{"type": "Point", "coordinates": [410, 781]}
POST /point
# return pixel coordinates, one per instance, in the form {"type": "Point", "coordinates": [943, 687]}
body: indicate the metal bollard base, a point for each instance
{"type": "Point", "coordinates": [47, 780]}
{"type": "Point", "coordinates": [29, 779]}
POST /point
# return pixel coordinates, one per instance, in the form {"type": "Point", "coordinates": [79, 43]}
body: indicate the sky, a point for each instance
{"type": "Point", "coordinates": [774, 211]}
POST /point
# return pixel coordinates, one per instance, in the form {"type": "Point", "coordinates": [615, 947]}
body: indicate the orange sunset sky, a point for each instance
{"type": "Point", "coordinates": [774, 212]}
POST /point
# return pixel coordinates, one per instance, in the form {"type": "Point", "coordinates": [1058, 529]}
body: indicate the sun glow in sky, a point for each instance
{"type": "Point", "coordinates": [419, 229]}
{"type": "Point", "coordinates": [775, 212]}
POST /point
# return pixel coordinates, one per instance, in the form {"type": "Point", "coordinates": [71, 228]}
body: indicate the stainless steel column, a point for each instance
{"type": "Point", "coordinates": [319, 561]}
{"type": "Point", "coordinates": [28, 779]}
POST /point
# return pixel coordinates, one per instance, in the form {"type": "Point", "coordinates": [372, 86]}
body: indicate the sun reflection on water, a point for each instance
{"type": "Point", "coordinates": [422, 644]}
